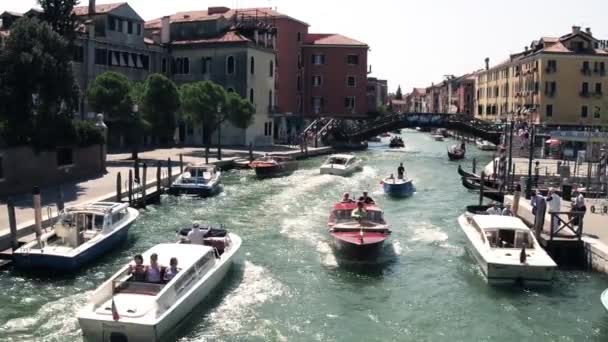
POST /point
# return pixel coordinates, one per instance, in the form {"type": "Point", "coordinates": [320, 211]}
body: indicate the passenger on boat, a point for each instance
{"type": "Point", "coordinates": [400, 171]}
{"type": "Point", "coordinates": [392, 177]}
{"type": "Point", "coordinates": [507, 211]}
{"type": "Point", "coordinates": [172, 271]}
{"type": "Point", "coordinates": [197, 234]}
{"type": "Point", "coordinates": [346, 198]}
{"type": "Point", "coordinates": [154, 271]}
{"type": "Point", "coordinates": [359, 213]}
{"type": "Point", "coordinates": [367, 199]}
{"type": "Point", "coordinates": [138, 270]}
{"type": "Point", "coordinates": [493, 210]}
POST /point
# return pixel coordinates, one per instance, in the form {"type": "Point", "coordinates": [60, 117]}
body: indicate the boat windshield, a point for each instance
{"type": "Point", "coordinates": [337, 161]}
{"type": "Point", "coordinates": [127, 285]}
{"type": "Point", "coordinates": [509, 238]}
{"type": "Point", "coordinates": [342, 216]}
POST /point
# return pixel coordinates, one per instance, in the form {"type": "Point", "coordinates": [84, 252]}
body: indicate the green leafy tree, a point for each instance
{"type": "Point", "coordinates": [160, 102]}
{"type": "Point", "coordinates": [200, 103]}
{"type": "Point", "coordinates": [60, 15]}
{"type": "Point", "coordinates": [38, 95]}
{"type": "Point", "coordinates": [240, 112]}
{"type": "Point", "coordinates": [399, 94]}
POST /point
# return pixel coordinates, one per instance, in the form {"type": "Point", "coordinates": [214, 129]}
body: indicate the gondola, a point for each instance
{"type": "Point", "coordinates": [457, 153]}
{"type": "Point", "coordinates": [489, 192]}
{"type": "Point", "coordinates": [467, 174]}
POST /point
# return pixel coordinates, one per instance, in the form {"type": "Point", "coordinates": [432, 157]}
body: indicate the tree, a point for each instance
{"type": "Point", "coordinates": [160, 102]}
{"type": "Point", "coordinates": [38, 95]}
{"type": "Point", "coordinates": [240, 111]}
{"type": "Point", "coordinates": [399, 94]}
{"type": "Point", "coordinates": [59, 14]}
{"type": "Point", "coordinates": [200, 102]}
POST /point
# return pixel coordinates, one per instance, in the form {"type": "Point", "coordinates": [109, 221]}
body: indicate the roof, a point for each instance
{"type": "Point", "coordinates": [419, 91]}
{"type": "Point", "coordinates": [203, 15]}
{"type": "Point", "coordinates": [331, 39]}
{"type": "Point", "coordinates": [353, 206]}
{"type": "Point", "coordinates": [99, 9]}
{"type": "Point", "coordinates": [11, 13]}
{"type": "Point", "coordinates": [225, 37]}
{"type": "Point", "coordinates": [498, 222]}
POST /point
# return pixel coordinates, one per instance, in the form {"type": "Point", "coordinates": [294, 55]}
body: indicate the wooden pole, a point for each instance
{"type": "Point", "coordinates": [158, 177]}
{"type": "Point", "coordinates": [143, 190]}
{"type": "Point", "coordinates": [37, 214]}
{"type": "Point", "coordinates": [169, 172]}
{"type": "Point", "coordinates": [530, 157]}
{"type": "Point", "coordinates": [250, 152]}
{"type": "Point", "coordinates": [136, 167]}
{"type": "Point", "coordinates": [60, 200]}
{"type": "Point", "coordinates": [12, 222]}
{"type": "Point", "coordinates": [481, 184]}
{"type": "Point", "coordinates": [181, 163]}
{"type": "Point", "coordinates": [516, 198]}
{"type": "Point", "coordinates": [207, 155]}
{"type": "Point", "coordinates": [130, 187]}
{"type": "Point", "coordinates": [118, 188]}
{"type": "Point", "coordinates": [509, 169]}
{"type": "Point", "coordinates": [474, 164]}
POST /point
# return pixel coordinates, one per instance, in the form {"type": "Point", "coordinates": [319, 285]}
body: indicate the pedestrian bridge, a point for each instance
{"type": "Point", "coordinates": [365, 129]}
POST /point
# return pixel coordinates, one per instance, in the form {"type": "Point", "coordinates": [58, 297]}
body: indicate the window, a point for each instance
{"type": "Point", "coordinates": [138, 29]}
{"type": "Point", "coordinates": [585, 69]}
{"type": "Point", "coordinates": [145, 62]}
{"type": "Point", "coordinates": [78, 54]}
{"type": "Point", "coordinates": [271, 69]}
{"type": "Point", "coordinates": [129, 27]}
{"type": "Point", "coordinates": [549, 111]}
{"type": "Point", "coordinates": [267, 129]}
{"type": "Point", "coordinates": [317, 81]}
{"type": "Point", "coordinates": [252, 65]}
{"type": "Point", "coordinates": [101, 56]}
{"type": "Point", "coordinates": [598, 89]}
{"type": "Point", "coordinates": [186, 63]}
{"type": "Point", "coordinates": [64, 157]}
{"type": "Point", "coordinates": [318, 59]}
{"type": "Point", "coordinates": [349, 102]}
{"type": "Point", "coordinates": [551, 65]}
{"type": "Point", "coordinates": [352, 59]}
{"type": "Point", "coordinates": [206, 65]}
{"type": "Point", "coordinates": [299, 36]}
{"type": "Point", "coordinates": [111, 23]}
{"type": "Point", "coordinates": [163, 65]}
{"type": "Point", "coordinates": [317, 104]}
{"type": "Point", "coordinates": [118, 25]}
{"type": "Point", "coordinates": [230, 65]}
{"type": "Point", "coordinates": [596, 113]}
{"type": "Point", "coordinates": [584, 110]}
{"type": "Point", "coordinates": [299, 82]}
{"type": "Point", "coordinates": [480, 110]}
{"type": "Point", "coordinates": [299, 61]}
{"type": "Point", "coordinates": [1, 168]}
{"type": "Point", "coordinates": [270, 100]}
{"type": "Point", "coordinates": [351, 81]}
{"type": "Point", "coordinates": [251, 98]}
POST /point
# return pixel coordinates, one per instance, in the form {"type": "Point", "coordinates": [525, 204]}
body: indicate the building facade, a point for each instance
{"type": "Point", "coordinates": [555, 81]}
{"type": "Point", "coordinates": [416, 101]}
{"type": "Point", "coordinates": [377, 94]}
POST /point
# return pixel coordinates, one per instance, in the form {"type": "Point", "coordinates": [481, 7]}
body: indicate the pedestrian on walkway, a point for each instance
{"type": "Point", "coordinates": [555, 206]}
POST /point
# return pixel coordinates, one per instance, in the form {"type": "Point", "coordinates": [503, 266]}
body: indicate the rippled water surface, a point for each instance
{"type": "Point", "coordinates": [288, 286]}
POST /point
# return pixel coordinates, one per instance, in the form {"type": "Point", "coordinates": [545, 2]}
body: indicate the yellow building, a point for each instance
{"type": "Point", "coordinates": [557, 81]}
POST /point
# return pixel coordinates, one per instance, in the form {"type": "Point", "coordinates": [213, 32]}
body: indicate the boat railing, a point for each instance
{"type": "Point", "coordinates": [571, 227]}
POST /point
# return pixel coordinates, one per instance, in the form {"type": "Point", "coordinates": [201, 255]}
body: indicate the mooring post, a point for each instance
{"type": "Point", "coordinates": [250, 152]}
{"type": "Point", "coordinates": [37, 214]}
{"type": "Point", "coordinates": [158, 178]}
{"type": "Point", "coordinates": [516, 198]}
{"type": "Point", "coordinates": [169, 172]}
{"type": "Point", "coordinates": [130, 187]}
{"type": "Point", "coordinates": [474, 164]}
{"type": "Point", "coordinates": [136, 167]}
{"type": "Point", "coordinates": [12, 222]}
{"type": "Point", "coordinates": [482, 181]}
{"type": "Point", "coordinates": [60, 201]}
{"type": "Point", "coordinates": [181, 163]}
{"type": "Point", "coordinates": [143, 189]}
{"type": "Point", "coordinates": [118, 188]}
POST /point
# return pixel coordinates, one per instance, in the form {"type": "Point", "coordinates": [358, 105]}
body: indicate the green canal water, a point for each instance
{"type": "Point", "coordinates": [288, 286]}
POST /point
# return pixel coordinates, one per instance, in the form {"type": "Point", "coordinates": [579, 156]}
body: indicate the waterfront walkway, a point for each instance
{"type": "Point", "coordinates": [103, 187]}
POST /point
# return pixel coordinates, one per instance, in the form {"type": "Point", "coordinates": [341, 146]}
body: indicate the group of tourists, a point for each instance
{"type": "Point", "coordinates": [495, 210]}
{"type": "Point", "coordinates": [554, 203]}
{"type": "Point", "coordinates": [153, 273]}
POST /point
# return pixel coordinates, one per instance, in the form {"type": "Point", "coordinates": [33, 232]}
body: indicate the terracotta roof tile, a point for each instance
{"type": "Point", "coordinates": [100, 9]}
{"type": "Point", "coordinates": [227, 37]}
{"type": "Point", "coordinates": [331, 39]}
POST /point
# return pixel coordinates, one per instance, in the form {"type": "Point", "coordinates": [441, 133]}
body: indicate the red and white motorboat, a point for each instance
{"type": "Point", "coordinates": [357, 238]}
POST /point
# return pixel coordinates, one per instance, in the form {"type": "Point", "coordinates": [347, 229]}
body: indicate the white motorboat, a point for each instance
{"type": "Point", "coordinates": [604, 299]}
{"type": "Point", "coordinates": [506, 250]}
{"type": "Point", "coordinates": [82, 234]}
{"type": "Point", "coordinates": [342, 165]}
{"type": "Point", "coordinates": [437, 137]}
{"type": "Point", "coordinates": [122, 309]}
{"type": "Point", "coordinates": [485, 145]}
{"type": "Point", "coordinates": [200, 180]}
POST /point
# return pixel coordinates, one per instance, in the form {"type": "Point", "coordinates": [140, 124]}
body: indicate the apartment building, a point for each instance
{"type": "Point", "coordinates": [377, 94]}
{"type": "Point", "coordinates": [555, 81]}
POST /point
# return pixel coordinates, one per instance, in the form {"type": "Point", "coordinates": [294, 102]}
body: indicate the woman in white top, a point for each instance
{"type": "Point", "coordinates": [153, 271]}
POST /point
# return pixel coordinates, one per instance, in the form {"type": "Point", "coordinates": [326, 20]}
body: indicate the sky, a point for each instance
{"type": "Point", "coordinates": [414, 43]}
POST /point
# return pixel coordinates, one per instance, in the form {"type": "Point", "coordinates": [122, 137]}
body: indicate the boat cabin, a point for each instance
{"type": "Point", "coordinates": [342, 213]}
{"type": "Point", "coordinates": [341, 159]}
{"type": "Point", "coordinates": [199, 173]}
{"type": "Point", "coordinates": [503, 231]}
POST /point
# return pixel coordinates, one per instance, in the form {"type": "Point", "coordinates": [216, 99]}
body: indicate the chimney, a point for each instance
{"type": "Point", "coordinates": [526, 48]}
{"type": "Point", "coordinates": [588, 30]}
{"type": "Point", "coordinates": [91, 7]}
{"type": "Point", "coordinates": [487, 63]}
{"type": "Point", "coordinates": [165, 30]}
{"type": "Point", "coordinates": [576, 29]}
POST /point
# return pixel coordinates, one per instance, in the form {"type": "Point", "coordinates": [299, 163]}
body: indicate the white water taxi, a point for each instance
{"type": "Point", "coordinates": [506, 250]}
{"type": "Point", "coordinates": [200, 180]}
{"type": "Point", "coordinates": [485, 145]}
{"type": "Point", "coordinates": [122, 309]}
{"type": "Point", "coordinates": [342, 165]}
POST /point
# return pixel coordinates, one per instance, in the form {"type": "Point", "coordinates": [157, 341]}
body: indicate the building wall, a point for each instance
{"type": "Point", "coordinates": [334, 74]}
{"type": "Point", "coordinates": [288, 69]}
{"type": "Point", "coordinates": [23, 168]}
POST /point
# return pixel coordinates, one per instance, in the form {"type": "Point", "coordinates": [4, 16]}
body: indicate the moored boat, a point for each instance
{"type": "Point", "coordinates": [437, 137]}
{"type": "Point", "coordinates": [274, 166]}
{"type": "Point", "coordinates": [374, 139]}
{"type": "Point", "coordinates": [506, 250]}
{"type": "Point", "coordinates": [604, 299]}
{"type": "Point", "coordinates": [123, 309]}
{"type": "Point", "coordinates": [396, 187]}
{"type": "Point", "coordinates": [456, 152]}
{"type": "Point", "coordinates": [485, 145]}
{"type": "Point", "coordinates": [341, 165]}
{"type": "Point", "coordinates": [241, 163]}
{"type": "Point", "coordinates": [199, 180]}
{"type": "Point", "coordinates": [467, 174]}
{"type": "Point", "coordinates": [355, 238]}
{"type": "Point", "coordinates": [81, 235]}
{"type": "Point", "coordinates": [396, 142]}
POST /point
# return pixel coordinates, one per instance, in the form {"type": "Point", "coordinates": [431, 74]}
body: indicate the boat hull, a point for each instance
{"type": "Point", "coordinates": [348, 246]}
{"type": "Point", "coordinates": [325, 170]}
{"type": "Point", "coordinates": [41, 261]}
{"type": "Point", "coordinates": [604, 299]}
{"type": "Point", "coordinates": [398, 190]}
{"type": "Point", "coordinates": [281, 170]}
{"type": "Point", "coordinates": [168, 324]}
{"type": "Point", "coordinates": [455, 156]}
{"type": "Point", "coordinates": [206, 191]}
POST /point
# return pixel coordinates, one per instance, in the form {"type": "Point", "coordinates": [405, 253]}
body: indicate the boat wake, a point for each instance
{"type": "Point", "coordinates": [52, 322]}
{"type": "Point", "coordinates": [429, 234]}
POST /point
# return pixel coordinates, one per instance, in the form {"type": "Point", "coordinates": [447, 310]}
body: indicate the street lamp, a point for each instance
{"type": "Point", "coordinates": [219, 133]}
{"type": "Point", "coordinates": [103, 129]}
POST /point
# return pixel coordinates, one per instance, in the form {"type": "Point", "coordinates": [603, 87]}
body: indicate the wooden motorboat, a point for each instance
{"type": "Point", "coordinates": [274, 166]}
{"type": "Point", "coordinates": [357, 238]}
{"type": "Point", "coordinates": [81, 235]}
{"type": "Point", "coordinates": [200, 180]}
{"type": "Point", "coordinates": [506, 250]}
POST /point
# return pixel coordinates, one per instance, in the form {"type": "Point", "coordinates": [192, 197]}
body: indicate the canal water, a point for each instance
{"type": "Point", "coordinates": [288, 286]}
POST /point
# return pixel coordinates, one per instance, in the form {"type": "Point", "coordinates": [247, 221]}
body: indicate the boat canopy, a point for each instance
{"type": "Point", "coordinates": [487, 222]}
{"type": "Point", "coordinates": [102, 208]}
